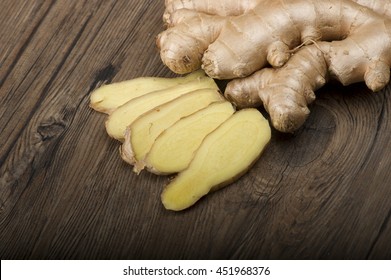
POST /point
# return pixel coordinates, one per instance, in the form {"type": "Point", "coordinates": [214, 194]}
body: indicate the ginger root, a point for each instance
{"type": "Point", "coordinates": [142, 133]}
{"type": "Point", "coordinates": [124, 115]}
{"type": "Point", "coordinates": [340, 39]}
{"type": "Point", "coordinates": [190, 129]}
{"type": "Point", "coordinates": [173, 149]}
{"type": "Point", "coordinates": [286, 92]}
{"type": "Point", "coordinates": [224, 155]}
{"type": "Point", "coordinates": [107, 98]}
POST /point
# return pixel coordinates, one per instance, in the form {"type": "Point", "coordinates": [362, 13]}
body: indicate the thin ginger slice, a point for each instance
{"type": "Point", "coordinates": [173, 149]}
{"type": "Point", "coordinates": [124, 115]}
{"type": "Point", "coordinates": [141, 134]}
{"type": "Point", "coordinates": [224, 155]}
{"type": "Point", "coordinates": [107, 98]}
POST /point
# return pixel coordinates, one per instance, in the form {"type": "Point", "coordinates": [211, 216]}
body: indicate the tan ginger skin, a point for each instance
{"type": "Point", "coordinates": [307, 43]}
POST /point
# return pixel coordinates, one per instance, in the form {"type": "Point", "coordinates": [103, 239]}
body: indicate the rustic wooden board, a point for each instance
{"type": "Point", "coordinates": [322, 193]}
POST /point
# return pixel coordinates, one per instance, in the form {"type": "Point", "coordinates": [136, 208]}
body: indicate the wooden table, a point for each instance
{"type": "Point", "coordinates": [322, 193]}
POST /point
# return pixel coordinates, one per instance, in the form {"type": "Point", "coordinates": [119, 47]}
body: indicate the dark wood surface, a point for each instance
{"type": "Point", "coordinates": [322, 193]}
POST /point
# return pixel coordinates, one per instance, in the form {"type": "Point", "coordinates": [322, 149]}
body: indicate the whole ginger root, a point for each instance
{"type": "Point", "coordinates": [307, 43]}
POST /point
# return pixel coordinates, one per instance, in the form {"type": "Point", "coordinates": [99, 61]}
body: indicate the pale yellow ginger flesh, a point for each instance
{"type": "Point", "coordinates": [173, 149]}
{"type": "Point", "coordinates": [141, 134]}
{"type": "Point", "coordinates": [224, 155]}
{"type": "Point", "coordinates": [192, 129]}
{"type": "Point", "coordinates": [338, 39]}
{"type": "Point", "coordinates": [109, 97]}
{"type": "Point", "coordinates": [124, 115]}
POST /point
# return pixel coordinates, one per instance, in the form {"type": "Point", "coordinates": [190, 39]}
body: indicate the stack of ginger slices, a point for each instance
{"type": "Point", "coordinates": [182, 126]}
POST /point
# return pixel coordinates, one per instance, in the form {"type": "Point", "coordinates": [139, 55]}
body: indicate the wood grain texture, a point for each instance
{"type": "Point", "coordinates": [322, 193]}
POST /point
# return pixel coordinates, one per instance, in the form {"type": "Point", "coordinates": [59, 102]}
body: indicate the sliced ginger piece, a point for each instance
{"type": "Point", "coordinates": [124, 115]}
{"type": "Point", "coordinates": [224, 155]}
{"type": "Point", "coordinates": [173, 149]}
{"type": "Point", "coordinates": [141, 134]}
{"type": "Point", "coordinates": [107, 98]}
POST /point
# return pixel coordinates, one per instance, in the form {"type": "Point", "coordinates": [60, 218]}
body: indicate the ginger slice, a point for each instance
{"type": "Point", "coordinates": [224, 155]}
{"type": "Point", "coordinates": [124, 115]}
{"type": "Point", "coordinates": [173, 149]}
{"type": "Point", "coordinates": [107, 98]}
{"type": "Point", "coordinates": [141, 134]}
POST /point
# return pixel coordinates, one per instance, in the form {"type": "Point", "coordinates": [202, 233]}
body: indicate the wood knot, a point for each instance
{"type": "Point", "coordinates": [51, 130]}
